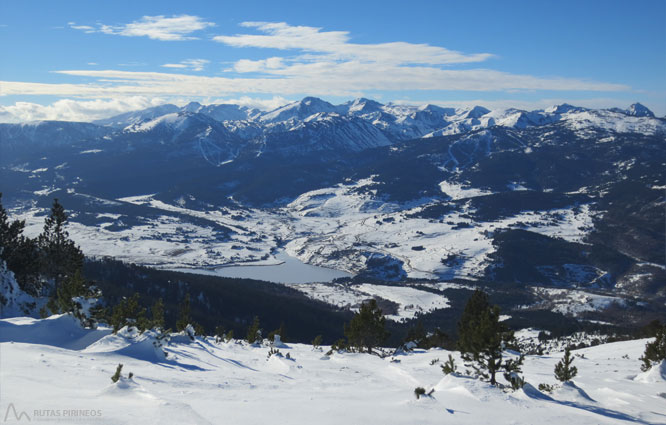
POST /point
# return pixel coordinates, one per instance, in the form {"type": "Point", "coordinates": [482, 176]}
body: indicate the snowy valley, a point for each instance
{"type": "Point", "coordinates": [300, 216]}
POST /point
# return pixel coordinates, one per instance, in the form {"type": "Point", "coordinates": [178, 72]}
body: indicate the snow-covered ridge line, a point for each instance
{"type": "Point", "coordinates": [402, 122]}
{"type": "Point", "coordinates": [398, 122]}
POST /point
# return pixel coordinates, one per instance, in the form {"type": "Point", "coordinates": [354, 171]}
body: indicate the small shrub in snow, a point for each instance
{"type": "Point", "coordinates": [419, 391]}
{"type": "Point", "coordinates": [316, 342]}
{"type": "Point", "coordinates": [254, 332]}
{"type": "Point", "coordinates": [338, 345]}
{"type": "Point", "coordinates": [274, 352]}
{"type": "Point", "coordinates": [564, 371]}
{"type": "Point", "coordinates": [434, 362]}
{"type": "Point", "coordinates": [229, 336]}
{"type": "Point", "coordinates": [199, 329]}
{"type": "Point", "coordinates": [116, 376]}
{"type": "Point", "coordinates": [655, 351]}
{"type": "Point", "coordinates": [449, 366]}
{"type": "Point", "coordinates": [546, 388]}
{"type": "Point", "coordinates": [281, 332]}
{"type": "Point", "coordinates": [219, 333]}
{"type": "Point", "coordinates": [517, 381]}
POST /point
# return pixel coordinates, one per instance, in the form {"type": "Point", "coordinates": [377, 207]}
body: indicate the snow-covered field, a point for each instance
{"type": "Point", "coordinates": [338, 228]}
{"type": "Point", "coordinates": [575, 302]}
{"type": "Point", "coordinates": [51, 370]}
{"type": "Point", "coordinates": [411, 301]}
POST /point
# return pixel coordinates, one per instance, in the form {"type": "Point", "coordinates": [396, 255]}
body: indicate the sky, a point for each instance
{"type": "Point", "coordinates": [85, 60]}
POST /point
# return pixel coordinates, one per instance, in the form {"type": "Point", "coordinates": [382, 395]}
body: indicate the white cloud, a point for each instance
{"type": "Point", "coordinates": [74, 110]}
{"type": "Point", "coordinates": [253, 102]}
{"type": "Point", "coordinates": [335, 45]}
{"type": "Point", "coordinates": [344, 79]}
{"type": "Point", "coordinates": [191, 64]}
{"type": "Point", "coordinates": [325, 63]}
{"type": "Point", "coordinates": [85, 28]}
{"type": "Point", "coordinates": [263, 65]}
{"type": "Point", "coordinates": [174, 28]}
{"type": "Point", "coordinates": [90, 110]}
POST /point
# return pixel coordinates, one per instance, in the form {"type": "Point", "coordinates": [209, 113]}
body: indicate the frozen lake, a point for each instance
{"type": "Point", "coordinates": [290, 270]}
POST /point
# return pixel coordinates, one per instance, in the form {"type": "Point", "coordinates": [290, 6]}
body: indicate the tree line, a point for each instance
{"type": "Point", "coordinates": [50, 265]}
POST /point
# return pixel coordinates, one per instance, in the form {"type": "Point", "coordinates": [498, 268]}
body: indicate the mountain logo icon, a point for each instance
{"type": "Point", "coordinates": [17, 416]}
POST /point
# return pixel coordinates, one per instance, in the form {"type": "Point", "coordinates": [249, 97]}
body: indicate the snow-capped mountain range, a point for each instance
{"type": "Point", "coordinates": [394, 122]}
{"type": "Point", "coordinates": [548, 199]}
{"type": "Point", "coordinates": [314, 124]}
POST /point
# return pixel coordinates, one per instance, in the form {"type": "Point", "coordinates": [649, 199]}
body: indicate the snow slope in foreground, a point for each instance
{"type": "Point", "coordinates": [202, 382]}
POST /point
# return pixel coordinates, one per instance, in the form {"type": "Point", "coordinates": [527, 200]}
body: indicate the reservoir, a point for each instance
{"type": "Point", "coordinates": [290, 270]}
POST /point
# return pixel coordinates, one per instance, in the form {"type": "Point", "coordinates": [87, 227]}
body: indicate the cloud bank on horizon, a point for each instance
{"type": "Point", "coordinates": [294, 61]}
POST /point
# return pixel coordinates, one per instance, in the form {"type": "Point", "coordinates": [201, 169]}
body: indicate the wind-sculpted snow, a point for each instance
{"type": "Point", "coordinates": [202, 381]}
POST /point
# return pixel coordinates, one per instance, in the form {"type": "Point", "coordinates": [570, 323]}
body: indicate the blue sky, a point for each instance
{"type": "Point", "coordinates": [81, 60]}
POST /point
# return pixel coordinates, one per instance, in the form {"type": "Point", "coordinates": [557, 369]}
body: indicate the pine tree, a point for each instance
{"type": "Point", "coordinates": [416, 334]}
{"type": "Point", "coordinates": [219, 333]}
{"type": "Point", "coordinates": [10, 233]}
{"type": "Point", "coordinates": [511, 370]}
{"type": "Point", "coordinates": [449, 366]}
{"type": "Point", "coordinates": [279, 331]}
{"type": "Point", "coordinates": [481, 336]}
{"type": "Point", "coordinates": [128, 312]}
{"type": "Point", "coordinates": [655, 351]}
{"type": "Point", "coordinates": [564, 371]}
{"type": "Point", "coordinates": [229, 336]}
{"type": "Point", "coordinates": [19, 253]}
{"type": "Point", "coordinates": [158, 314]}
{"type": "Point", "coordinates": [254, 332]}
{"type": "Point", "coordinates": [184, 318]}
{"type": "Point", "coordinates": [60, 257]}
{"type": "Point", "coordinates": [63, 301]}
{"type": "Point", "coordinates": [367, 327]}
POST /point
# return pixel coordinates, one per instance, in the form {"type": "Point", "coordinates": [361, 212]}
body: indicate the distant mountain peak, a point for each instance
{"type": "Point", "coordinates": [638, 110]}
{"type": "Point", "coordinates": [477, 111]}
{"type": "Point", "coordinates": [561, 109]}
{"type": "Point", "coordinates": [192, 107]}
{"type": "Point", "coordinates": [363, 105]}
{"type": "Point", "coordinates": [300, 109]}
